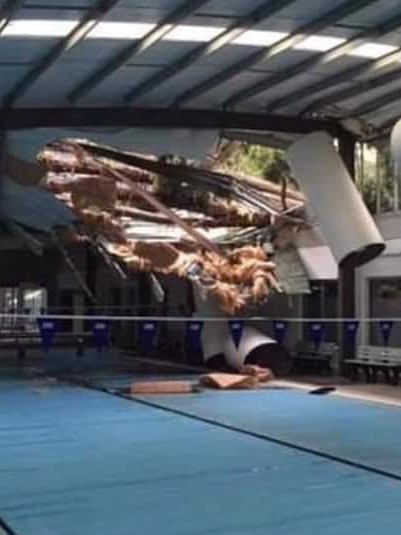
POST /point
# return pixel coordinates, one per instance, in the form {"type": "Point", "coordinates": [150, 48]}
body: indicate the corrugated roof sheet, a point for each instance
{"type": "Point", "coordinates": [32, 207]}
{"type": "Point", "coordinates": [33, 31]}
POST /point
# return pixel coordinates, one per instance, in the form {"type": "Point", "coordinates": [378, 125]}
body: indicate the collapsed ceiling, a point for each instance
{"type": "Point", "coordinates": [169, 216]}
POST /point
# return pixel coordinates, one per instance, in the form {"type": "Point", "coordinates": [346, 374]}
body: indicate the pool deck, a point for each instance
{"type": "Point", "coordinates": [374, 393]}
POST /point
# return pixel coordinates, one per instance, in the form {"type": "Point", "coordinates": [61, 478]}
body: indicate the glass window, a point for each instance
{"type": "Point", "coordinates": [322, 302]}
{"type": "Point", "coordinates": [385, 302]}
{"type": "Point", "coordinates": [375, 178]}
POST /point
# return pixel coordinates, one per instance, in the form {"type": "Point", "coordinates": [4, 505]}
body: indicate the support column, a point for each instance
{"type": "Point", "coordinates": [346, 278]}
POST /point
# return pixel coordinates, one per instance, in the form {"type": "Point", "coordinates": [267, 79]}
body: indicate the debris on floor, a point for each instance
{"type": "Point", "coordinates": [163, 387]}
{"type": "Point", "coordinates": [229, 381]}
{"type": "Point", "coordinates": [264, 375]}
{"type": "Point", "coordinates": [167, 216]}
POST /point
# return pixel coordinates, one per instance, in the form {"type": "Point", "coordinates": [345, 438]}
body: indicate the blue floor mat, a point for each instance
{"type": "Point", "coordinates": [74, 461]}
{"type": "Point", "coordinates": [357, 431]}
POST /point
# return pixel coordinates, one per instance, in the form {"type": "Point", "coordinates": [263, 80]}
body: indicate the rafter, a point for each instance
{"type": "Point", "coordinates": [7, 12]}
{"type": "Point", "coordinates": [135, 49]}
{"type": "Point", "coordinates": [22, 118]}
{"type": "Point", "coordinates": [319, 59]}
{"type": "Point", "coordinates": [206, 49]}
{"type": "Point", "coordinates": [365, 69]}
{"type": "Point", "coordinates": [76, 35]}
{"type": "Point", "coordinates": [297, 36]}
{"type": "Point", "coordinates": [377, 103]}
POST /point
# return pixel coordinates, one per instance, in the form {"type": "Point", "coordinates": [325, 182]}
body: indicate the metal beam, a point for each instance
{"type": "Point", "coordinates": [317, 60]}
{"type": "Point", "coordinates": [364, 86]}
{"type": "Point", "coordinates": [377, 103]}
{"type": "Point", "coordinates": [136, 48]}
{"type": "Point", "coordinates": [364, 69]}
{"type": "Point", "coordinates": [76, 35]}
{"type": "Point", "coordinates": [7, 12]}
{"type": "Point", "coordinates": [206, 49]}
{"type": "Point", "coordinates": [300, 34]}
{"type": "Point", "coordinates": [25, 118]}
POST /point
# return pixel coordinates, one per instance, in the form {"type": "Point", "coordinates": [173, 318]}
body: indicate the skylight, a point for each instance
{"type": "Point", "coordinates": [319, 43]}
{"type": "Point", "coordinates": [201, 34]}
{"type": "Point", "coordinates": [120, 30]}
{"type": "Point", "coordinates": [259, 38]}
{"type": "Point", "coordinates": [373, 50]}
{"type": "Point", "coordinates": [189, 33]}
{"type": "Point", "coordinates": [39, 28]}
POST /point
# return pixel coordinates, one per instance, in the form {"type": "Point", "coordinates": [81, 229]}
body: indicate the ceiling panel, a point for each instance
{"type": "Point", "coordinates": [65, 4]}
{"type": "Point", "coordinates": [280, 90]}
{"type": "Point", "coordinates": [393, 111]}
{"type": "Point", "coordinates": [93, 51]}
{"type": "Point", "coordinates": [18, 50]}
{"type": "Point", "coordinates": [150, 4]}
{"type": "Point", "coordinates": [48, 12]}
{"type": "Point", "coordinates": [215, 97]}
{"type": "Point", "coordinates": [117, 85]}
{"type": "Point", "coordinates": [230, 8]}
{"type": "Point", "coordinates": [304, 103]}
{"type": "Point", "coordinates": [305, 10]}
{"type": "Point", "coordinates": [370, 16]}
{"type": "Point", "coordinates": [364, 97]}
{"type": "Point", "coordinates": [163, 53]}
{"type": "Point", "coordinates": [10, 75]}
{"type": "Point", "coordinates": [54, 86]}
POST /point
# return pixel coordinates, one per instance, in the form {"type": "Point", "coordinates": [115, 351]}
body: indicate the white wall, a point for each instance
{"type": "Point", "coordinates": [386, 265]}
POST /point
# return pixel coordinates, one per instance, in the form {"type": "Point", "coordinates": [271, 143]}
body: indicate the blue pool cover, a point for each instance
{"type": "Point", "coordinates": [75, 461]}
{"type": "Point", "coordinates": [360, 432]}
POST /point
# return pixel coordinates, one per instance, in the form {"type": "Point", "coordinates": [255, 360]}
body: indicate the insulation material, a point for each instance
{"type": "Point", "coordinates": [229, 381]}
{"type": "Point", "coordinates": [114, 193]}
{"type": "Point", "coordinates": [345, 221]}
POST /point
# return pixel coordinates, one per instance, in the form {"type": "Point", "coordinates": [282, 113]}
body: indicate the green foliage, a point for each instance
{"type": "Point", "coordinates": [255, 160]}
{"type": "Point", "coordinates": [376, 180]}
{"type": "Point", "coordinates": [375, 174]}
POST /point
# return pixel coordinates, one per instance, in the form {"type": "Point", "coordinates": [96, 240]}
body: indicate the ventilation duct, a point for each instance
{"type": "Point", "coordinates": [335, 203]}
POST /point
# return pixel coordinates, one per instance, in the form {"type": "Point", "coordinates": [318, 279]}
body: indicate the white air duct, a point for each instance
{"type": "Point", "coordinates": [219, 348]}
{"type": "Point", "coordinates": [345, 221]}
{"type": "Point", "coordinates": [251, 339]}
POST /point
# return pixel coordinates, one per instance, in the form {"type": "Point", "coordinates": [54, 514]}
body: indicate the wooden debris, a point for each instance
{"type": "Point", "coordinates": [111, 192]}
{"type": "Point", "coordinates": [263, 374]}
{"type": "Point", "coordinates": [229, 381]}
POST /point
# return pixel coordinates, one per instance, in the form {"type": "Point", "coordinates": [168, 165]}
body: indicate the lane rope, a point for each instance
{"type": "Point", "coordinates": [166, 319]}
